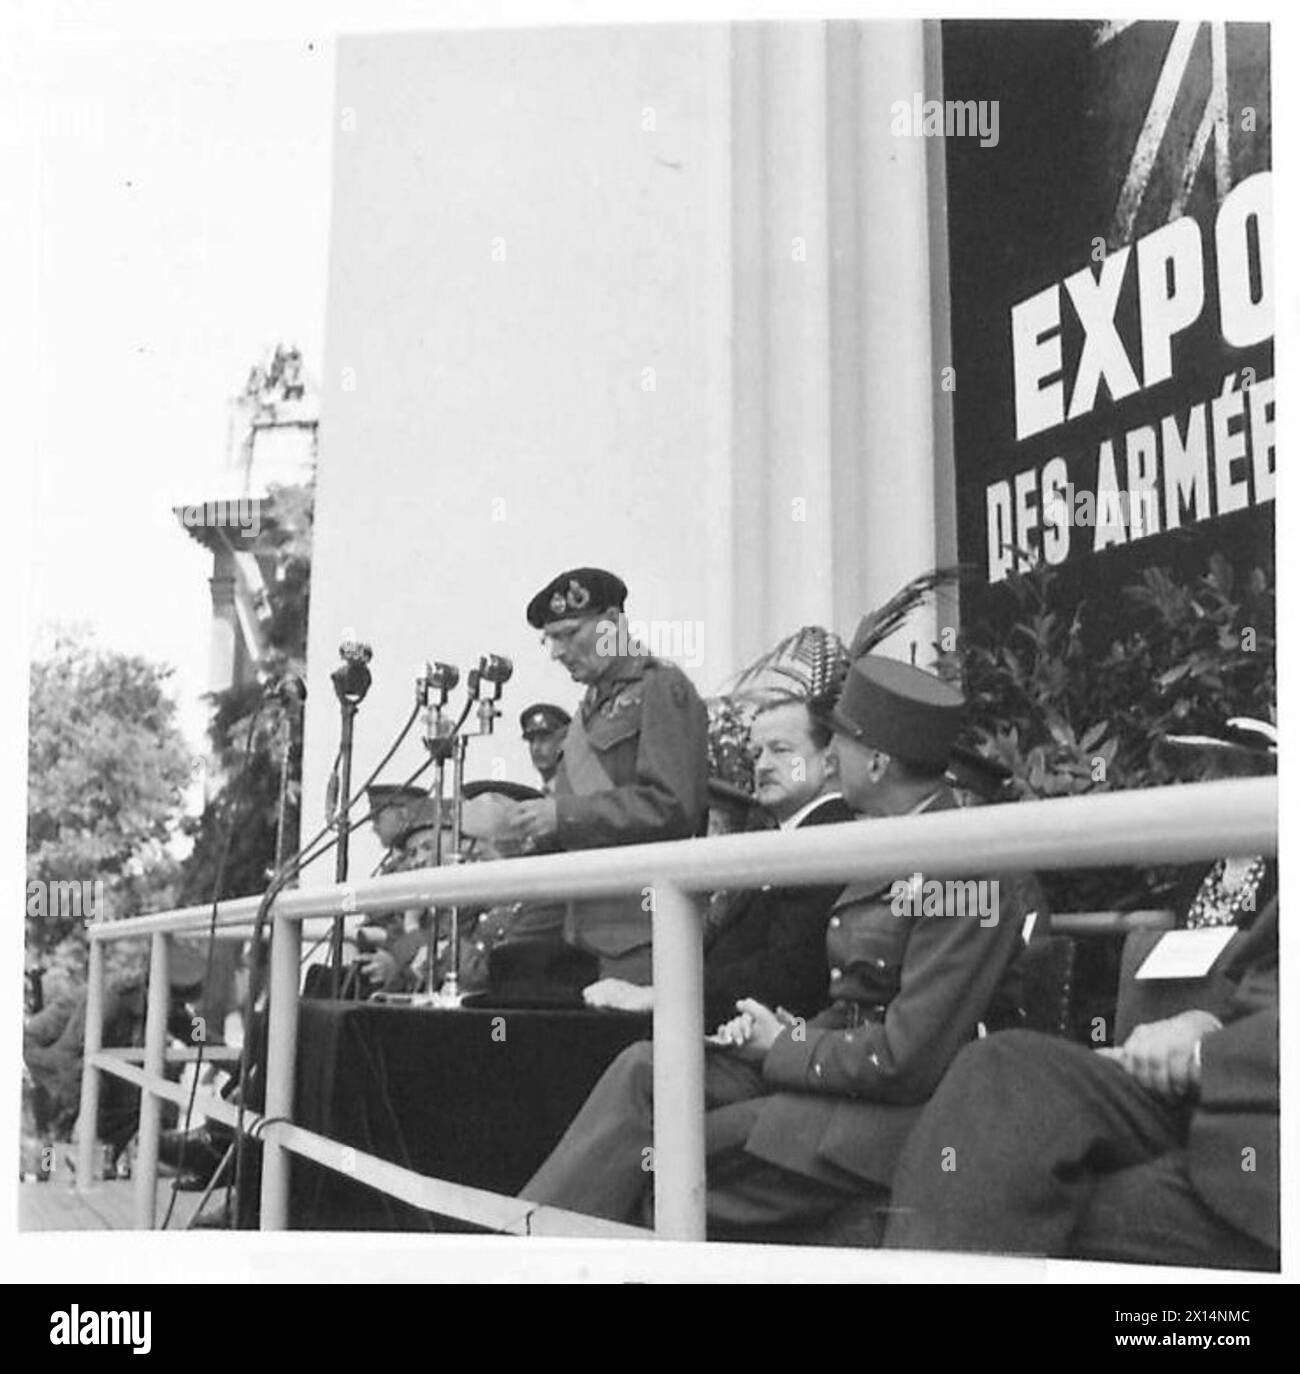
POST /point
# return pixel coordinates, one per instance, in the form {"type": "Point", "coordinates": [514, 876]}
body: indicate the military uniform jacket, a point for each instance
{"type": "Point", "coordinates": [908, 993]}
{"type": "Point", "coordinates": [648, 729]}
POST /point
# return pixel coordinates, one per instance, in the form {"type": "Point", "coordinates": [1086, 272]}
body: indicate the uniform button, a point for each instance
{"type": "Point", "coordinates": [835, 922]}
{"type": "Point", "coordinates": [837, 973]}
{"type": "Point", "coordinates": [848, 1036]}
{"type": "Point", "coordinates": [480, 945]}
{"type": "Point", "coordinates": [881, 963]}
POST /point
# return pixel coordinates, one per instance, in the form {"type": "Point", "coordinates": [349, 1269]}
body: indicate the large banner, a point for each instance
{"type": "Point", "coordinates": [1111, 257]}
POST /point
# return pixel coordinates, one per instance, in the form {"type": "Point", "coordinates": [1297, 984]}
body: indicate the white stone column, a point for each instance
{"type": "Point", "coordinates": [223, 646]}
{"type": "Point", "coordinates": [781, 337]}
{"type": "Point", "coordinates": [841, 473]}
{"type": "Point", "coordinates": [894, 489]}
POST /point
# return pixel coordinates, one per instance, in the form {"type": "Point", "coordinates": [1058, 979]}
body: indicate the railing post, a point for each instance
{"type": "Point", "coordinates": [678, 1066]}
{"type": "Point", "coordinates": [155, 1047]}
{"type": "Point", "coordinates": [88, 1120]}
{"type": "Point", "coordinates": [281, 1054]}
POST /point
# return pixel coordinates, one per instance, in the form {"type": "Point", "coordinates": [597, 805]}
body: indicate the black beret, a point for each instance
{"type": "Point", "coordinates": [580, 591]}
{"type": "Point", "coordinates": [542, 718]}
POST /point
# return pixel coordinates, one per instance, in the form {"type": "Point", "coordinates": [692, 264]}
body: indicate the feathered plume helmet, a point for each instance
{"type": "Point", "coordinates": [807, 666]}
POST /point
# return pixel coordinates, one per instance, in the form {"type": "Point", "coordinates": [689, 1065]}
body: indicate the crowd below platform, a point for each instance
{"type": "Point", "coordinates": [870, 1049]}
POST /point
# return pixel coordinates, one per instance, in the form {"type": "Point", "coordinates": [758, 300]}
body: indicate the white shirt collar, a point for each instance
{"type": "Point", "coordinates": [807, 809]}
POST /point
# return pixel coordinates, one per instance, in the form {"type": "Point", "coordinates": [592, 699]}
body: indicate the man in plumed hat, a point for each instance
{"type": "Point", "coordinates": [544, 726]}
{"type": "Point", "coordinates": [635, 759]}
{"type": "Point", "coordinates": [807, 1116]}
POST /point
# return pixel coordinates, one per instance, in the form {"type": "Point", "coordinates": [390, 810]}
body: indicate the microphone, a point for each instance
{"type": "Point", "coordinates": [495, 668]}
{"type": "Point", "coordinates": [351, 678]}
{"type": "Point", "coordinates": [441, 677]}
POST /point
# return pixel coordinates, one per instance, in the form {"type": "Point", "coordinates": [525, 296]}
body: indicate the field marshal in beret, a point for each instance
{"type": "Point", "coordinates": [635, 762]}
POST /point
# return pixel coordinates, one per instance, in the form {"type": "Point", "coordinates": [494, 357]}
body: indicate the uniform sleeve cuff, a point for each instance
{"type": "Point", "coordinates": [791, 1063]}
{"type": "Point", "coordinates": [568, 819]}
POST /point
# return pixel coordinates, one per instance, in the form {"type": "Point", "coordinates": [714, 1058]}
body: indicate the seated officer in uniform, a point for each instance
{"type": "Point", "coordinates": [394, 952]}
{"type": "Point", "coordinates": [805, 1117]}
{"type": "Point", "coordinates": [543, 727]}
{"type": "Point", "coordinates": [1164, 1150]}
{"type": "Point", "coordinates": [634, 769]}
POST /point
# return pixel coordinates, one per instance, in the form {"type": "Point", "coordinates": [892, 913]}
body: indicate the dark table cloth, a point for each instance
{"type": "Point", "coordinates": [479, 1097]}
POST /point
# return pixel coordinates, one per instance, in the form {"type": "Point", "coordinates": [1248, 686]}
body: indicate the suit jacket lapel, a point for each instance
{"type": "Point", "coordinates": [827, 812]}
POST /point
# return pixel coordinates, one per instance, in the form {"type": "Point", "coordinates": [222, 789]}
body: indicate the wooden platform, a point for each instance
{"type": "Point", "coordinates": [109, 1206]}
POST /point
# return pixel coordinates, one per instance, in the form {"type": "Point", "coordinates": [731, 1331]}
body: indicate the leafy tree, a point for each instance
{"type": "Point", "coordinates": [107, 772]}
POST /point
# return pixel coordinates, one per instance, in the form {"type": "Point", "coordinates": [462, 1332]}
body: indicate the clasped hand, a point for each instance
{"type": "Point", "coordinates": [1162, 1054]}
{"type": "Point", "coordinates": [751, 1034]}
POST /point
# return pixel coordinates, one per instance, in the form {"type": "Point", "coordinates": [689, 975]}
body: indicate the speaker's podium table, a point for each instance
{"type": "Point", "coordinates": [476, 1096]}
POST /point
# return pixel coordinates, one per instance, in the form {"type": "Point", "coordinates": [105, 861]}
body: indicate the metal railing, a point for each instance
{"type": "Point", "coordinates": [1141, 828]}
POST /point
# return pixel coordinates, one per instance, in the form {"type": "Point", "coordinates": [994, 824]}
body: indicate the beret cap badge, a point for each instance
{"type": "Point", "coordinates": [575, 592]}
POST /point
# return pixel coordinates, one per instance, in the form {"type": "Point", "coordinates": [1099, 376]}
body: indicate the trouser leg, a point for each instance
{"type": "Point", "coordinates": [604, 1161]}
{"type": "Point", "coordinates": [1007, 1154]}
{"type": "Point", "coordinates": [1151, 1214]}
{"type": "Point", "coordinates": [747, 1194]}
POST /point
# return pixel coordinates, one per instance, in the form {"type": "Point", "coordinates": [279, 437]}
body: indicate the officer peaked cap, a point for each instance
{"type": "Point", "coordinates": [542, 718]}
{"type": "Point", "coordinates": [900, 710]}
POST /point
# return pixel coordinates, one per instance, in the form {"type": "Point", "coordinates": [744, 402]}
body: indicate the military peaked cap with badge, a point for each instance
{"type": "Point", "coordinates": [578, 592]}
{"type": "Point", "coordinates": [901, 710]}
{"type": "Point", "coordinates": [542, 718]}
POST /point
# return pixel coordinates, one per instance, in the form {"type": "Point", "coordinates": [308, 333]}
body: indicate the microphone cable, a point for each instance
{"type": "Point", "coordinates": [290, 870]}
{"type": "Point", "coordinates": [222, 855]}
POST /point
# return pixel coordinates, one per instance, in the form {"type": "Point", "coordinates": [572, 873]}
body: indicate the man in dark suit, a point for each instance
{"type": "Point", "coordinates": [806, 1116]}
{"type": "Point", "coordinates": [1163, 1151]}
{"type": "Point", "coordinates": [770, 943]}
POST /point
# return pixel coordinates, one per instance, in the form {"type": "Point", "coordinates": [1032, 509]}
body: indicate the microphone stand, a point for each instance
{"type": "Point", "coordinates": [441, 745]}
{"type": "Point", "coordinates": [450, 995]}
{"type": "Point", "coordinates": [351, 681]}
